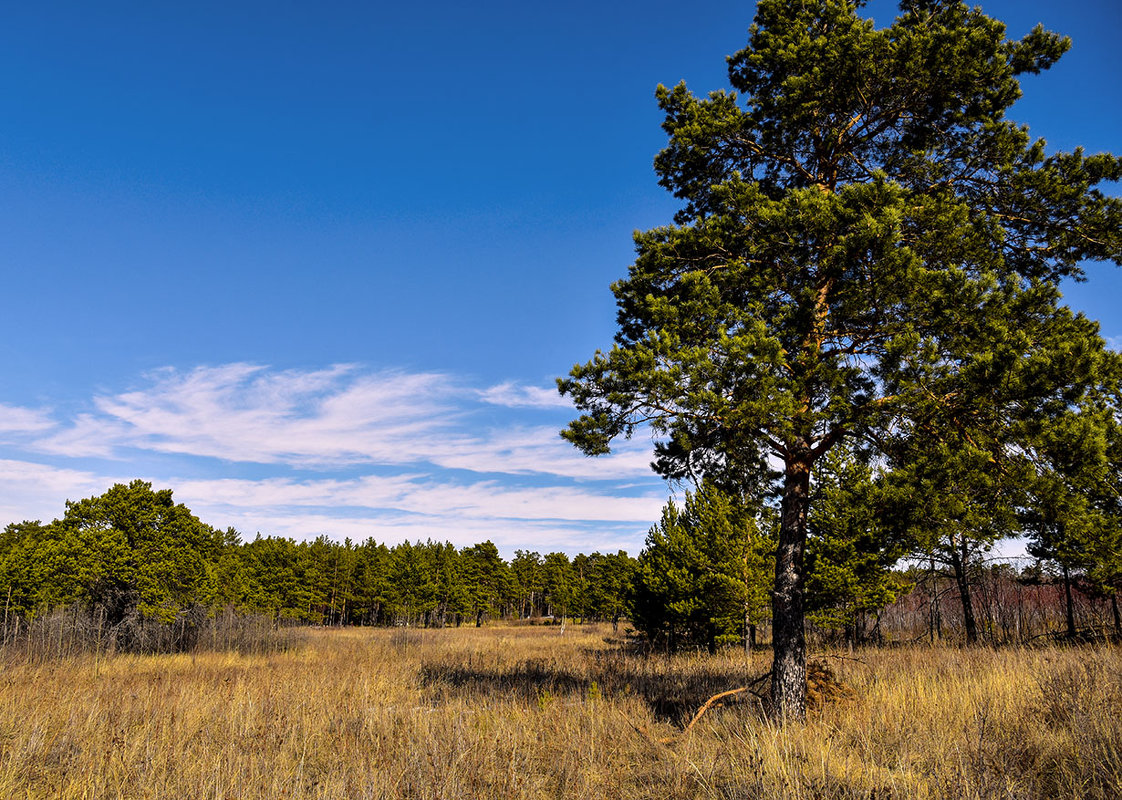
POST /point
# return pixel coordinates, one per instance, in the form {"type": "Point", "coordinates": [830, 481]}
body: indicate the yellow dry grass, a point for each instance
{"type": "Point", "coordinates": [531, 713]}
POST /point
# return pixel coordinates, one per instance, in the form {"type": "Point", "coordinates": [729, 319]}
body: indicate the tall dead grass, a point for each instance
{"type": "Point", "coordinates": [531, 713]}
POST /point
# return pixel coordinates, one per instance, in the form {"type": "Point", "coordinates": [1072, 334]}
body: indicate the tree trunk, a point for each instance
{"type": "Point", "coordinates": [958, 562]}
{"type": "Point", "coordinates": [788, 677]}
{"type": "Point", "coordinates": [1070, 603]}
{"type": "Point", "coordinates": [935, 625]}
{"type": "Point", "coordinates": [1117, 616]}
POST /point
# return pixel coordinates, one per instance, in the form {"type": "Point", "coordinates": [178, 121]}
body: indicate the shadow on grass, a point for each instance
{"type": "Point", "coordinates": [672, 690]}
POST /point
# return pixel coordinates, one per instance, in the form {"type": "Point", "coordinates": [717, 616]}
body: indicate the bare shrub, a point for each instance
{"type": "Point", "coordinates": [74, 630]}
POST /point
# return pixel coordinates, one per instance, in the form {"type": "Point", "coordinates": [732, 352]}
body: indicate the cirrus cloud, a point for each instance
{"type": "Point", "coordinates": [328, 418]}
{"type": "Point", "coordinates": [515, 395]}
{"type": "Point", "coordinates": [342, 451]}
{"type": "Point", "coordinates": [19, 420]}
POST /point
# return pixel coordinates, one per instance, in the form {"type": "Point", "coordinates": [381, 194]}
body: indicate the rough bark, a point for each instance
{"type": "Point", "coordinates": [788, 680]}
{"type": "Point", "coordinates": [958, 562]}
{"type": "Point", "coordinates": [935, 624]}
{"type": "Point", "coordinates": [1070, 604]}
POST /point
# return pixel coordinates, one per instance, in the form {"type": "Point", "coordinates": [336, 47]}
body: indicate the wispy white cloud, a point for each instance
{"type": "Point", "coordinates": [387, 508]}
{"type": "Point", "coordinates": [423, 495]}
{"type": "Point", "coordinates": [39, 491]}
{"type": "Point", "coordinates": [398, 508]}
{"type": "Point", "coordinates": [16, 419]}
{"type": "Point", "coordinates": [88, 436]}
{"type": "Point", "coordinates": [539, 449]}
{"type": "Point", "coordinates": [509, 535]}
{"type": "Point", "coordinates": [344, 452]}
{"type": "Point", "coordinates": [243, 412]}
{"type": "Point", "coordinates": [1114, 342]}
{"type": "Point", "coordinates": [330, 418]}
{"type": "Point", "coordinates": [515, 395]}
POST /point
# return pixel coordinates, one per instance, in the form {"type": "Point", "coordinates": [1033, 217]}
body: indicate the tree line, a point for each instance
{"type": "Point", "coordinates": [133, 552]}
{"type": "Point", "coordinates": [134, 562]}
{"type": "Point", "coordinates": [881, 564]}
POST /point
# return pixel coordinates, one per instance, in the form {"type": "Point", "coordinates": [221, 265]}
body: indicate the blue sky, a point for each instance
{"type": "Point", "coordinates": [314, 267]}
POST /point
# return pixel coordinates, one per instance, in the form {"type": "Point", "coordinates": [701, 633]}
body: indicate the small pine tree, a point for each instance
{"type": "Point", "coordinates": [702, 570]}
{"type": "Point", "coordinates": [850, 548]}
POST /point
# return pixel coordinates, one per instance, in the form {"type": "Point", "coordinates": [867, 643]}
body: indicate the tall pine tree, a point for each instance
{"type": "Point", "coordinates": [860, 223]}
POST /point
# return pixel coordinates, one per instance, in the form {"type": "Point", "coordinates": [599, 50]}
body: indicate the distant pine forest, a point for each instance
{"type": "Point", "coordinates": [133, 570]}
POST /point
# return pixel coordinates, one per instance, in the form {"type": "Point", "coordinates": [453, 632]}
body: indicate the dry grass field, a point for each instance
{"type": "Point", "coordinates": [530, 712]}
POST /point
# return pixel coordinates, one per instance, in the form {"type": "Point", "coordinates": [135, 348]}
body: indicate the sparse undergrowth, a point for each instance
{"type": "Point", "coordinates": [530, 712]}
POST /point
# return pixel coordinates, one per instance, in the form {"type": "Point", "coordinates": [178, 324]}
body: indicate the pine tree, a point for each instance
{"type": "Point", "coordinates": [486, 580]}
{"type": "Point", "coordinates": [372, 582]}
{"type": "Point", "coordinates": [700, 573]}
{"type": "Point", "coordinates": [557, 585]}
{"type": "Point", "coordinates": [1071, 519]}
{"type": "Point", "coordinates": [526, 569]}
{"type": "Point", "coordinates": [37, 568]}
{"type": "Point", "coordinates": [860, 225]}
{"type": "Point", "coordinates": [134, 548]}
{"type": "Point", "coordinates": [851, 547]}
{"type": "Point", "coordinates": [609, 585]}
{"type": "Point", "coordinates": [413, 584]}
{"type": "Point", "coordinates": [276, 570]}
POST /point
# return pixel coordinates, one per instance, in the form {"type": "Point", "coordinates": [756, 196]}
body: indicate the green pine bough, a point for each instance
{"type": "Point", "coordinates": [867, 250]}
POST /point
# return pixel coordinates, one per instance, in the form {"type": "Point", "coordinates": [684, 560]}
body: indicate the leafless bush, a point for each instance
{"type": "Point", "coordinates": [73, 630]}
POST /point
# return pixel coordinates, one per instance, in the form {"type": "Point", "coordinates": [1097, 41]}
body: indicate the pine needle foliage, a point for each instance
{"type": "Point", "coordinates": [703, 575]}
{"type": "Point", "coordinates": [866, 245]}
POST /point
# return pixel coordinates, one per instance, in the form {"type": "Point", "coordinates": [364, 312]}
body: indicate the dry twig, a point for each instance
{"type": "Point", "coordinates": [715, 700]}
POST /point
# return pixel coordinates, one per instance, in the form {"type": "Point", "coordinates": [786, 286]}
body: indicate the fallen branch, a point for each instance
{"type": "Point", "coordinates": [715, 700]}
{"type": "Point", "coordinates": [709, 704]}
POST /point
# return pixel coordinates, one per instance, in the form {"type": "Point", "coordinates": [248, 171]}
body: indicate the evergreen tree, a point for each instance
{"type": "Point", "coordinates": [956, 501]}
{"type": "Point", "coordinates": [413, 583]}
{"type": "Point", "coordinates": [609, 586]}
{"type": "Point", "coordinates": [454, 598]}
{"type": "Point", "coordinates": [372, 582]}
{"type": "Point", "coordinates": [276, 570]}
{"type": "Point", "coordinates": [229, 578]}
{"type": "Point", "coordinates": [526, 571]}
{"type": "Point", "coordinates": [133, 553]}
{"type": "Point", "coordinates": [486, 580]}
{"type": "Point", "coordinates": [582, 584]}
{"type": "Point", "coordinates": [1104, 572]}
{"type": "Point", "coordinates": [1072, 518]}
{"type": "Point", "coordinates": [330, 567]}
{"type": "Point", "coordinates": [134, 548]}
{"type": "Point", "coordinates": [861, 228]}
{"type": "Point", "coordinates": [851, 549]}
{"type": "Point", "coordinates": [700, 573]}
{"type": "Point", "coordinates": [557, 585]}
{"type": "Point", "coordinates": [37, 568]}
